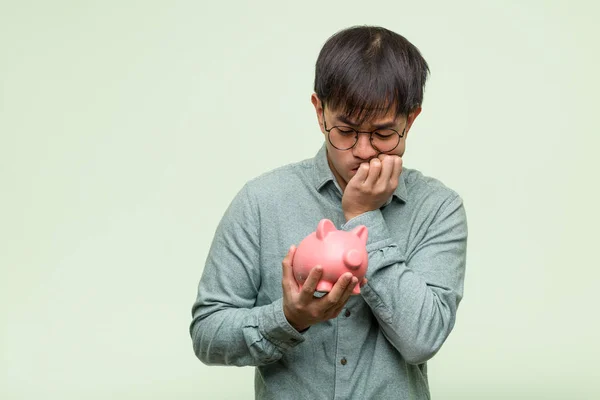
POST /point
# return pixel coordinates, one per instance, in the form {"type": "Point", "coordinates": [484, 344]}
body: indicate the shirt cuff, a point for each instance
{"type": "Point", "coordinates": [378, 233]}
{"type": "Point", "coordinates": [276, 328]}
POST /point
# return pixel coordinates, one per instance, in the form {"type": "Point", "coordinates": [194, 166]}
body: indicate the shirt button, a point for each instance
{"type": "Point", "coordinates": [343, 361]}
{"type": "Point", "coordinates": [347, 313]}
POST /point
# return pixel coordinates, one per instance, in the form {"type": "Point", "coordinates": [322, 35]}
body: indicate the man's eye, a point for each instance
{"type": "Point", "coordinates": [385, 134]}
{"type": "Point", "coordinates": [346, 131]}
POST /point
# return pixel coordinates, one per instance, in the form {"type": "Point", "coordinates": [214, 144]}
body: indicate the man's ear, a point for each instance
{"type": "Point", "coordinates": [411, 118]}
{"type": "Point", "coordinates": [314, 99]}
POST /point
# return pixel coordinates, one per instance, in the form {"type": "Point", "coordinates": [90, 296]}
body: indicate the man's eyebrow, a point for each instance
{"type": "Point", "coordinates": [385, 125]}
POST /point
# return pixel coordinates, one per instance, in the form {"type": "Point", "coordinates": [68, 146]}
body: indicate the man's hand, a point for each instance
{"type": "Point", "coordinates": [372, 185]}
{"type": "Point", "coordinates": [300, 306]}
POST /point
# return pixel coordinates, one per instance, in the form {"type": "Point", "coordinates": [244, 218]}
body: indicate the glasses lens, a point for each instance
{"type": "Point", "coordinates": [385, 139]}
{"type": "Point", "coordinates": [342, 138]}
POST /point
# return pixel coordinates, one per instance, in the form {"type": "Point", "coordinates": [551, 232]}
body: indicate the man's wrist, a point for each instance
{"type": "Point", "coordinates": [350, 215]}
{"type": "Point", "coordinates": [299, 328]}
{"type": "Point", "coordinates": [294, 324]}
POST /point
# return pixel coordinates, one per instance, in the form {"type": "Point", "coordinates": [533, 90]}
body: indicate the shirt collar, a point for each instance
{"type": "Point", "coordinates": [323, 175]}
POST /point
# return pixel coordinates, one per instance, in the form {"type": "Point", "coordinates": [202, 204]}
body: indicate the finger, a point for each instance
{"type": "Point", "coordinates": [397, 170]}
{"type": "Point", "coordinates": [364, 282]}
{"type": "Point", "coordinates": [383, 156]}
{"type": "Point", "coordinates": [335, 310]}
{"type": "Point", "coordinates": [348, 292]}
{"type": "Point", "coordinates": [310, 285]}
{"type": "Point", "coordinates": [362, 173]}
{"type": "Point", "coordinates": [287, 270]}
{"type": "Point", "coordinates": [337, 291]}
{"type": "Point", "coordinates": [374, 171]}
{"type": "Point", "coordinates": [387, 169]}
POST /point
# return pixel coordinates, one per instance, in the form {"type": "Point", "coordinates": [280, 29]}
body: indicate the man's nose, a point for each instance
{"type": "Point", "coordinates": [363, 148]}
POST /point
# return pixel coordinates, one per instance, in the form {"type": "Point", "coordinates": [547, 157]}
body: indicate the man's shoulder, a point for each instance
{"type": "Point", "coordinates": [283, 177]}
{"type": "Point", "coordinates": [421, 186]}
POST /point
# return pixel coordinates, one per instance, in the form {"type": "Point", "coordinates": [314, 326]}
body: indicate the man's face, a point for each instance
{"type": "Point", "coordinates": [345, 163]}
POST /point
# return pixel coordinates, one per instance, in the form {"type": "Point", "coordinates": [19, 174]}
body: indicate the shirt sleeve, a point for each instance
{"type": "Point", "coordinates": [226, 327]}
{"type": "Point", "coordinates": [415, 296]}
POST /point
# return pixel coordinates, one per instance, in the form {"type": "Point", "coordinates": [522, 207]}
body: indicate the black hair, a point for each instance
{"type": "Point", "coordinates": [363, 71]}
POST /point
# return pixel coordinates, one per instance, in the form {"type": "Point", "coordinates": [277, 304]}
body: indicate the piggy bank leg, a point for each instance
{"type": "Point", "coordinates": [324, 286]}
{"type": "Point", "coordinates": [356, 290]}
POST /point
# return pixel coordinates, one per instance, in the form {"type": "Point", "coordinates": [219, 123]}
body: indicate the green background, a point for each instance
{"type": "Point", "coordinates": [126, 127]}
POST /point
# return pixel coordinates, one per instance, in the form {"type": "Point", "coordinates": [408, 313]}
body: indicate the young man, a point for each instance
{"type": "Point", "coordinates": [249, 311]}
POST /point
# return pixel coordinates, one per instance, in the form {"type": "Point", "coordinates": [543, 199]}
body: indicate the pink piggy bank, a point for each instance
{"type": "Point", "coordinates": [336, 251]}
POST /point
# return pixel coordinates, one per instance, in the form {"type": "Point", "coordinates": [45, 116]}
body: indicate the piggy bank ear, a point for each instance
{"type": "Point", "coordinates": [362, 233]}
{"type": "Point", "coordinates": [325, 226]}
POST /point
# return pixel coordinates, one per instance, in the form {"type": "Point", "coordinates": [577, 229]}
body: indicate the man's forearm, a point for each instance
{"type": "Point", "coordinates": [415, 301]}
{"type": "Point", "coordinates": [240, 336]}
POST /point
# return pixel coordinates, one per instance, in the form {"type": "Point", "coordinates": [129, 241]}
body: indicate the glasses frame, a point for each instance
{"type": "Point", "coordinates": [357, 132]}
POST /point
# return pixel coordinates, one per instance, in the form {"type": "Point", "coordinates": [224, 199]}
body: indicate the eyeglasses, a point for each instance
{"type": "Point", "coordinates": [345, 138]}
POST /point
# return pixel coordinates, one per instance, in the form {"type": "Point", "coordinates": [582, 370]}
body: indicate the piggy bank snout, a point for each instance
{"type": "Point", "coordinates": [353, 259]}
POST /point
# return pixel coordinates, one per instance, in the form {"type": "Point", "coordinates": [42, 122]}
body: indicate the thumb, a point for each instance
{"type": "Point", "coordinates": [286, 264]}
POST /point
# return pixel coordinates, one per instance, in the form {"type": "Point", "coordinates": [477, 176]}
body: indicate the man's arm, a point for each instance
{"type": "Point", "coordinates": [227, 328]}
{"type": "Point", "coordinates": [415, 297]}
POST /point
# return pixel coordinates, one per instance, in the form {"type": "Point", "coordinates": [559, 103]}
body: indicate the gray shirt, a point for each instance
{"type": "Point", "coordinates": [378, 346]}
